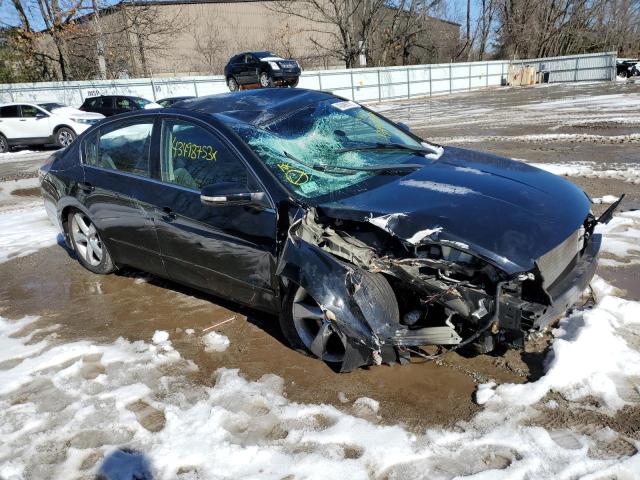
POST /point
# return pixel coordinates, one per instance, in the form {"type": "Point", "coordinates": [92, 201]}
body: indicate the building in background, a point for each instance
{"type": "Point", "coordinates": [197, 37]}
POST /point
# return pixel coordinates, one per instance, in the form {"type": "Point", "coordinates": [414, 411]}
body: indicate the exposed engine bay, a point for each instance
{"type": "Point", "coordinates": [445, 293]}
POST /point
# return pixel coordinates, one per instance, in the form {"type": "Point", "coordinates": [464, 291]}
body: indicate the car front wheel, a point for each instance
{"type": "Point", "coordinates": [265, 80]}
{"type": "Point", "coordinates": [308, 330]}
{"type": "Point", "coordinates": [294, 83]}
{"type": "Point", "coordinates": [64, 137]}
{"type": "Point", "coordinates": [4, 144]}
{"type": "Point", "coordinates": [87, 244]}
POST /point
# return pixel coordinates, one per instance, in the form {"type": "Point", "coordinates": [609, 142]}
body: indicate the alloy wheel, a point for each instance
{"type": "Point", "coordinates": [4, 147]}
{"type": "Point", "coordinates": [86, 239]}
{"type": "Point", "coordinates": [65, 138]}
{"type": "Point", "coordinates": [317, 334]}
{"type": "Point", "coordinates": [264, 80]}
{"type": "Point", "coordinates": [232, 84]}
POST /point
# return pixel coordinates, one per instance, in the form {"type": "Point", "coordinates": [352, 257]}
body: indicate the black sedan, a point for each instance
{"type": "Point", "coordinates": [265, 69]}
{"type": "Point", "coordinates": [170, 101]}
{"type": "Point", "coordinates": [368, 241]}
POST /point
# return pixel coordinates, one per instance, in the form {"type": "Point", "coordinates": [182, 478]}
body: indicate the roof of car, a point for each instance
{"type": "Point", "coordinates": [254, 106]}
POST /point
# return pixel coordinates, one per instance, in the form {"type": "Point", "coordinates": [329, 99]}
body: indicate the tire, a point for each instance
{"type": "Point", "coordinates": [232, 84]}
{"type": "Point", "coordinates": [265, 80]}
{"type": "Point", "coordinates": [4, 144]}
{"type": "Point", "coordinates": [302, 321]}
{"type": "Point", "coordinates": [622, 74]}
{"type": "Point", "coordinates": [64, 137]}
{"type": "Point", "coordinates": [294, 84]}
{"type": "Point", "coordinates": [88, 246]}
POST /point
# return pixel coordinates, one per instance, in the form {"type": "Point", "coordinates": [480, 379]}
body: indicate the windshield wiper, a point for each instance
{"type": "Point", "coordinates": [385, 146]}
{"type": "Point", "coordinates": [352, 170]}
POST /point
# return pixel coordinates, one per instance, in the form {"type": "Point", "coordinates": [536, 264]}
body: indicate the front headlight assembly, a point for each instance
{"type": "Point", "coordinates": [274, 65]}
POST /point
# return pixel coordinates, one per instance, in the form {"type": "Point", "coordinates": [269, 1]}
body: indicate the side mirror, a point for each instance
{"type": "Point", "coordinates": [403, 126]}
{"type": "Point", "coordinates": [232, 193]}
{"type": "Point", "coordinates": [41, 115]}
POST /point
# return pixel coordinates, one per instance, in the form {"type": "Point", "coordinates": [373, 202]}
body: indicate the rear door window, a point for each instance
{"type": "Point", "coordinates": [123, 103]}
{"type": "Point", "coordinates": [123, 146]}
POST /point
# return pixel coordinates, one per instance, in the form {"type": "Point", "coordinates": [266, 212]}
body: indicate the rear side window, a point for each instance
{"type": "Point", "coordinates": [120, 147]}
{"type": "Point", "coordinates": [193, 157]}
{"type": "Point", "coordinates": [124, 103]}
{"type": "Point", "coordinates": [29, 111]}
{"type": "Point", "coordinates": [94, 102]}
{"type": "Point", "coordinates": [9, 112]}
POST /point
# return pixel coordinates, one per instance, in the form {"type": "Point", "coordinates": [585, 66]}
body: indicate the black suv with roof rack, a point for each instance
{"type": "Point", "coordinates": [263, 68]}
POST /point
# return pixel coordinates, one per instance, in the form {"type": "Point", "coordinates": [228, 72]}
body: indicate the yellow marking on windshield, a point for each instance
{"type": "Point", "coordinates": [293, 175]}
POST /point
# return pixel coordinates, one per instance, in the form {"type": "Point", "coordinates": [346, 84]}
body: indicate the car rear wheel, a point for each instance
{"type": "Point", "coordinates": [265, 80]}
{"type": "Point", "coordinates": [64, 137]}
{"type": "Point", "coordinates": [4, 144]}
{"type": "Point", "coordinates": [308, 330]}
{"type": "Point", "coordinates": [622, 74]}
{"type": "Point", "coordinates": [232, 84]}
{"type": "Point", "coordinates": [87, 244]}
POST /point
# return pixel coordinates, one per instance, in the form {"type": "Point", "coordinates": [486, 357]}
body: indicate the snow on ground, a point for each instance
{"type": "Point", "coordinates": [621, 239]}
{"type": "Point", "coordinates": [23, 155]}
{"type": "Point", "coordinates": [215, 342]}
{"type": "Point", "coordinates": [24, 231]}
{"type": "Point", "coordinates": [65, 406]}
{"type": "Point", "coordinates": [626, 172]}
{"type": "Point", "coordinates": [7, 188]}
{"type": "Point", "coordinates": [542, 138]}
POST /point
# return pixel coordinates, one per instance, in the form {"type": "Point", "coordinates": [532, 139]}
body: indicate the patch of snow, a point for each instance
{"type": "Point", "coordinates": [24, 231]}
{"type": "Point", "coordinates": [621, 238]}
{"type": "Point", "coordinates": [438, 187]}
{"type": "Point", "coordinates": [589, 357]}
{"type": "Point", "coordinates": [606, 200]}
{"type": "Point", "coordinates": [189, 331]}
{"type": "Point", "coordinates": [470, 170]}
{"type": "Point", "coordinates": [215, 342]}
{"type": "Point", "coordinates": [545, 137]}
{"type": "Point", "coordinates": [484, 392]}
{"type": "Point", "coordinates": [160, 336]}
{"type": "Point", "coordinates": [626, 172]}
{"type": "Point", "coordinates": [7, 188]}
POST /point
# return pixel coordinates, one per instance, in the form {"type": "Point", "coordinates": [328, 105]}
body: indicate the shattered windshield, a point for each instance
{"type": "Point", "coordinates": [331, 145]}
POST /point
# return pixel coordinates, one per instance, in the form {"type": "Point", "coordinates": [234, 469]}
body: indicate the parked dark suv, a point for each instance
{"type": "Point", "coordinates": [627, 68]}
{"type": "Point", "coordinates": [113, 104]}
{"type": "Point", "coordinates": [264, 68]}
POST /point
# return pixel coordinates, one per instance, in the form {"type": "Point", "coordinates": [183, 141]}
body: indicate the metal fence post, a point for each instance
{"type": "Point", "coordinates": [353, 91]}
{"type": "Point", "coordinates": [319, 80]}
{"type": "Point", "coordinates": [80, 92]}
{"type": "Point", "coordinates": [486, 81]}
{"type": "Point", "coordinates": [469, 77]}
{"type": "Point", "coordinates": [408, 84]}
{"type": "Point", "coordinates": [430, 82]}
{"type": "Point", "coordinates": [575, 73]}
{"type": "Point", "coordinates": [379, 87]}
{"type": "Point", "coordinates": [450, 79]}
{"type": "Point", "coordinates": [195, 88]}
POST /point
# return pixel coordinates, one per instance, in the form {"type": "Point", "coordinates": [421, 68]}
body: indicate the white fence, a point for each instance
{"type": "Point", "coordinates": [361, 84]}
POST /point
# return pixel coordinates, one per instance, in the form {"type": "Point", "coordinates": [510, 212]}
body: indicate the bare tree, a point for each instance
{"type": "Point", "coordinates": [339, 28]}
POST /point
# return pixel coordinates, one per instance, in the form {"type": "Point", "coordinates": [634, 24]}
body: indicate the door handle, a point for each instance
{"type": "Point", "coordinates": [86, 187]}
{"type": "Point", "coordinates": [23, 119]}
{"type": "Point", "coordinates": [167, 214]}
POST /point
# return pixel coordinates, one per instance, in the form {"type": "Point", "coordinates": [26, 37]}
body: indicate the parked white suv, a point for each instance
{"type": "Point", "coordinates": [42, 124]}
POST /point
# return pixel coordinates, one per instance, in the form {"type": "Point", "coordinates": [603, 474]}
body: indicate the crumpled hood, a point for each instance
{"type": "Point", "coordinates": [505, 211]}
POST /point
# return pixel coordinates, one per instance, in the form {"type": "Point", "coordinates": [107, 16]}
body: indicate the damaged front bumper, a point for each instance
{"type": "Point", "coordinates": [518, 316]}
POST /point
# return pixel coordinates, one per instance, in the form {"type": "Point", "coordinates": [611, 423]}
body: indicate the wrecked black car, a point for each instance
{"type": "Point", "coordinates": [368, 241]}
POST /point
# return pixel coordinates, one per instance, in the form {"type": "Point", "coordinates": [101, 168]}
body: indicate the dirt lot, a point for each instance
{"type": "Point", "coordinates": [566, 124]}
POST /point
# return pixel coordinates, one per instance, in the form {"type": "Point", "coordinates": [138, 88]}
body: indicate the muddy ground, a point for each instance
{"type": "Point", "coordinates": [52, 284]}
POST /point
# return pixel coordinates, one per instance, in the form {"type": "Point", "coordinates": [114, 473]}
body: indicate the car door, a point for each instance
{"type": "Point", "coordinates": [35, 123]}
{"type": "Point", "coordinates": [108, 106]}
{"type": "Point", "coordinates": [225, 249]}
{"type": "Point", "coordinates": [10, 124]}
{"type": "Point", "coordinates": [117, 165]}
{"type": "Point", "coordinates": [251, 65]}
